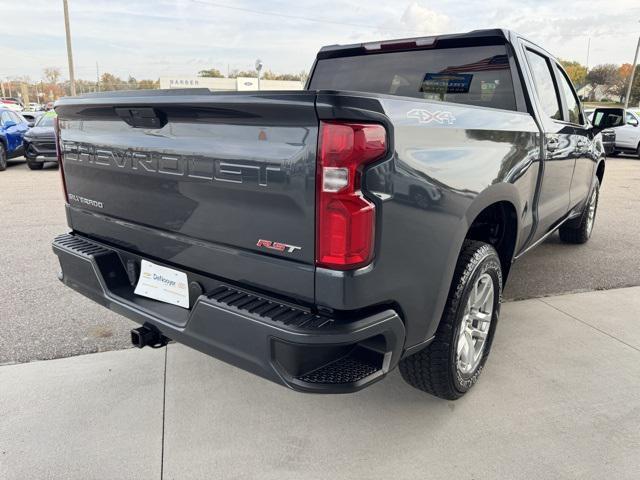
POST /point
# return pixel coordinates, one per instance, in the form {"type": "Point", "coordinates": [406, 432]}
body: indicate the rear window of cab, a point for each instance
{"type": "Point", "coordinates": [478, 76]}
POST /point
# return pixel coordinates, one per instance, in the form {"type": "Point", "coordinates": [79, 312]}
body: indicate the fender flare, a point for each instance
{"type": "Point", "coordinates": [499, 192]}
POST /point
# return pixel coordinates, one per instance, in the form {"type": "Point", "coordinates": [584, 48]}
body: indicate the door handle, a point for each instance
{"type": "Point", "coordinates": [553, 142]}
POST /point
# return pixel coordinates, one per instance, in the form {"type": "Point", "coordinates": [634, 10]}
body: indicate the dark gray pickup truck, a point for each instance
{"type": "Point", "coordinates": [320, 238]}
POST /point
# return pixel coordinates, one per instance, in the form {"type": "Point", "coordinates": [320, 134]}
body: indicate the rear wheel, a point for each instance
{"type": "Point", "coordinates": [581, 232]}
{"type": "Point", "coordinates": [35, 165]}
{"type": "Point", "coordinates": [453, 361]}
{"type": "Point", "coordinates": [3, 157]}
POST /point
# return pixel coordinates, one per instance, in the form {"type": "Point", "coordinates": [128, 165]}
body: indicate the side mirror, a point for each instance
{"type": "Point", "coordinates": [31, 124]}
{"type": "Point", "coordinates": [633, 122]}
{"type": "Point", "coordinates": [608, 118]}
{"type": "Point", "coordinates": [9, 123]}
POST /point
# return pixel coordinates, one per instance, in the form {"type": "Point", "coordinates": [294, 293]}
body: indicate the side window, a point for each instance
{"type": "Point", "coordinates": [572, 102]}
{"type": "Point", "coordinates": [5, 117]}
{"type": "Point", "coordinates": [545, 86]}
{"type": "Point", "coordinates": [16, 118]}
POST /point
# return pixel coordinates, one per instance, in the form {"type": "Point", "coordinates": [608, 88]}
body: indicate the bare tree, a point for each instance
{"type": "Point", "coordinates": [51, 75]}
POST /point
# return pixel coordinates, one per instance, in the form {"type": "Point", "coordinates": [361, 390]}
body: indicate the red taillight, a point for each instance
{"type": "Point", "coordinates": [345, 218]}
{"type": "Point", "coordinates": [56, 127]}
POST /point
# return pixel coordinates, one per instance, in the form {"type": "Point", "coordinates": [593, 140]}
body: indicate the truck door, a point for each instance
{"type": "Point", "coordinates": [558, 146]}
{"type": "Point", "coordinates": [11, 130]}
{"type": "Point", "coordinates": [582, 140]}
{"type": "Point", "coordinates": [628, 135]}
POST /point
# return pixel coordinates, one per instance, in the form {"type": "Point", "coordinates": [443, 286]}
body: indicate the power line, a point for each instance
{"type": "Point", "coordinates": [362, 25]}
{"type": "Point", "coordinates": [301, 17]}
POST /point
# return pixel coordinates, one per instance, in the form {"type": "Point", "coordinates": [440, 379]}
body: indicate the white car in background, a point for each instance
{"type": "Point", "coordinates": [628, 136]}
{"type": "Point", "coordinates": [34, 107]}
{"type": "Point", "coordinates": [11, 105]}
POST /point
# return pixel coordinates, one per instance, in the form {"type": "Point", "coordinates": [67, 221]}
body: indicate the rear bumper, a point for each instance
{"type": "Point", "coordinates": [286, 343]}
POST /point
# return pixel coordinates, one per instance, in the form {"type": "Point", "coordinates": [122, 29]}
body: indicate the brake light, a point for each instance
{"type": "Point", "coordinates": [345, 218]}
{"type": "Point", "coordinates": [56, 127]}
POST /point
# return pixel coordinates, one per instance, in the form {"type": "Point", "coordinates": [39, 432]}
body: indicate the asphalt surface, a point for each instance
{"type": "Point", "coordinates": [41, 319]}
{"type": "Point", "coordinates": [567, 408]}
{"type": "Point", "coordinates": [611, 257]}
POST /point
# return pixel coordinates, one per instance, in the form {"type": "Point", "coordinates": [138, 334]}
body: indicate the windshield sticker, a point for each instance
{"type": "Point", "coordinates": [441, 83]}
{"type": "Point", "coordinates": [488, 89]}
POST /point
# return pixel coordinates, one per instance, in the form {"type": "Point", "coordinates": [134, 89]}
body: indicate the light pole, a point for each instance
{"type": "Point", "coordinates": [69, 53]}
{"type": "Point", "coordinates": [633, 72]}
{"type": "Point", "coordinates": [258, 68]}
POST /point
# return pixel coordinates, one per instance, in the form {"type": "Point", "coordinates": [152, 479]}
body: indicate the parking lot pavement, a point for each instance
{"type": "Point", "coordinates": [560, 398]}
{"type": "Point", "coordinates": [41, 319]}
{"type": "Point", "coordinates": [611, 258]}
{"type": "Point", "coordinates": [87, 417]}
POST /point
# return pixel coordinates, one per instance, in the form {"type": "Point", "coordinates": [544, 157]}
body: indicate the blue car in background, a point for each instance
{"type": "Point", "coordinates": [12, 129]}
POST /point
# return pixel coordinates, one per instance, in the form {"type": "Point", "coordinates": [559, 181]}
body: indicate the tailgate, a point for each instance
{"type": "Point", "coordinates": [219, 183]}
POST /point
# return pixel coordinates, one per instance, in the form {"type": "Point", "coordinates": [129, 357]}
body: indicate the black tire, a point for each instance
{"type": "Point", "coordinates": [579, 231]}
{"type": "Point", "coordinates": [615, 153]}
{"type": "Point", "coordinates": [35, 165]}
{"type": "Point", "coordinates": [435, 368]}
{"type": "Point", "coordinates": [3, 157]}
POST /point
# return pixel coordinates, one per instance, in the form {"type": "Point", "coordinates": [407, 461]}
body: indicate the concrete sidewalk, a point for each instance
{"type": "Point", "coordinates": [560, 398]}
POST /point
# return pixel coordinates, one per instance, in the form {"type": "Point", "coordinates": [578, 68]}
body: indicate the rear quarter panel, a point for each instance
{"type": "Point", "coordinates": [448, 162]}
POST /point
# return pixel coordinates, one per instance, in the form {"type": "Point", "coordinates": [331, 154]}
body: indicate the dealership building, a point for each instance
{"type": "Point", "coordinates": [228, 84]}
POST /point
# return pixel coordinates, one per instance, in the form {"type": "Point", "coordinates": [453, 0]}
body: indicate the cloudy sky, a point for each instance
{"type": "Point", "coordinates": [147, 39]}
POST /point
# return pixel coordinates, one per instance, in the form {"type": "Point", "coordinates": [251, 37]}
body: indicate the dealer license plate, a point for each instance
{"type": "Point", "coordinates": [163, 284]}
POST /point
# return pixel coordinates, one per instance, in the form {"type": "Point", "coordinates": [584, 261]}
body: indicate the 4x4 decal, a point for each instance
{"type": "Point", "coordinates": [426, 116]}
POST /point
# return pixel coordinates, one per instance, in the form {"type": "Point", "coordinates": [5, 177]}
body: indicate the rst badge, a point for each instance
{"type": "Point", "coordinates": [277, 246]}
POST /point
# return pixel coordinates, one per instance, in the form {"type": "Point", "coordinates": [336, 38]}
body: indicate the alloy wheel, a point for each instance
{"type": "Point", "coordinates": [475, 324]}
{"type": "Point", "coordinates": [591, 211]}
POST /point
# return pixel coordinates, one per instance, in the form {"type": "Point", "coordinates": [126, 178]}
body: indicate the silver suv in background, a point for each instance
{"type": "Point", "coordinates": [628, 135]}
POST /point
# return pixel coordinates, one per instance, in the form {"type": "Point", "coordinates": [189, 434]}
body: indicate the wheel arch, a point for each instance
{"type": "Point", "coordinates": [494, 218]}
{"type": "Point", "coordinates": [600, 170]}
